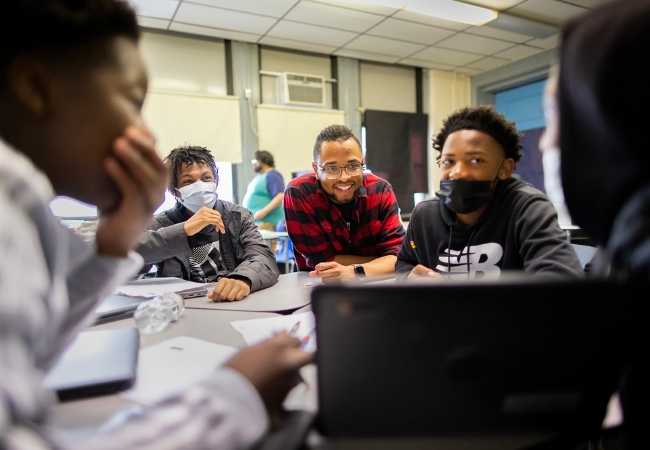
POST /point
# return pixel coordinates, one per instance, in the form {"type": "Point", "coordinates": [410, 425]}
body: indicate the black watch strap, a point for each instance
{"type": "Point", "coordinates": [359, 271]}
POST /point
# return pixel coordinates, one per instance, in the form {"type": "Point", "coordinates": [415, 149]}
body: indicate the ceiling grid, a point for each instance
{"type": "Point", "coordinates": [372, 32]}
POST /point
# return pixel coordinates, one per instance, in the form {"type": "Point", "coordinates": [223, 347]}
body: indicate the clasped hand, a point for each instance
{"type": "Point", "coordinates": [201, 219]}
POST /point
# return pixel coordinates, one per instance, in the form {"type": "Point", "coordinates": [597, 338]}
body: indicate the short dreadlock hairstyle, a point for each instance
{"type": "Point", "coordinates": [189, 155]}
{"type": "Point", "coordinates": [53, 27]}
{"type": "Point", "coordinates": [486, 120]}
{"type": "Point", "coordinates": [333, 133]}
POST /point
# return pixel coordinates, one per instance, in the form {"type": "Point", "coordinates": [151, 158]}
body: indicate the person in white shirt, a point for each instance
{"type": "Point", "coordinates": [72, 83]}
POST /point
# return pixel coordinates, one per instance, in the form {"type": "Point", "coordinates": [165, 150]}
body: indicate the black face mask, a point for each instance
{"type": "Point", "coordinates": [464, 196]}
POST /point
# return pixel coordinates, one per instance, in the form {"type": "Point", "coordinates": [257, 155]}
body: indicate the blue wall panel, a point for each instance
{"type": "Point", "coordinates": [522, 105]}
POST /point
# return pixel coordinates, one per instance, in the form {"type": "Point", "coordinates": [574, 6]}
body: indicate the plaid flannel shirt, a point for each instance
{"type": "Point", "coordinates": [318, 230]}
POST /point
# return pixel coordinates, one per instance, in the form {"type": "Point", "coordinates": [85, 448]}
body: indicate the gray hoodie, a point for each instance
{"type": "Point", "coordinates": [518, 231]}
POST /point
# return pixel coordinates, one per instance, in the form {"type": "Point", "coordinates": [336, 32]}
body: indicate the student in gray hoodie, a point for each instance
{"type": "Point", "coordinates": [483, 220]}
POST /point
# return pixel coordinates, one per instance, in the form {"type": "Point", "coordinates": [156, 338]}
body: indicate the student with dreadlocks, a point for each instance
{"type": "Point", "coordinates": [206, 239]}
{"type": "Point", "coordinates": [483, 220]}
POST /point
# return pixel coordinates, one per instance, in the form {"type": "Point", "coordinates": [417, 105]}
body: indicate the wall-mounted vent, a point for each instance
{"type": "Point", "coordinates": [303, 90]}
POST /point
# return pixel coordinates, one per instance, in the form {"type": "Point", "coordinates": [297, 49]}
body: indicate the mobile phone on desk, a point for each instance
{"type": "Point", "coordinates": [192, 294]}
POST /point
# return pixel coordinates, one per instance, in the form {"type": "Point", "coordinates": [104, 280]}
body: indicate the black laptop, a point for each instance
{"type": "Point", "coordinates": [466, 359]}
{"type": "Point", "coordinates": [98, 362]}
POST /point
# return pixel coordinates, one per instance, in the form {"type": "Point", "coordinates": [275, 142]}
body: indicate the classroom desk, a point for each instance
{"type": "Point", "coordinates": [81, 418]}
{"type": "Point", "coordinates": [292, 291]}
{"type": "Point", "coordinates": [269, 235]}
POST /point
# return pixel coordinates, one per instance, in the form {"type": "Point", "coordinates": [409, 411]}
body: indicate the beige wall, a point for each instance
{"type": "Point", "coordinates": [187, 102]}
{"type": "Point", "coordinates": [184, 64]}
{"type": "Point", "coordinates": [448, 92]}
{"type": "Point", "coordinates": [289, 134]}
{"type": "Point", "coordinates": [387, 88]}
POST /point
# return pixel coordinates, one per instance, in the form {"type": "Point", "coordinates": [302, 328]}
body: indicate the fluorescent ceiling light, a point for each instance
{"type": "Point", "coordinates": [443, 9]}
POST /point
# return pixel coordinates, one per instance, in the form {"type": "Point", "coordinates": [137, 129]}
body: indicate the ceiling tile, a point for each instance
{"type": "Point", "coordinates": [149, 22]}
{"type": "Point", "coordinates": [409, 31]}
{"type": "Point", "coordinates": [487, 63]}
{"type": "Point", "coordinates": [550, 11]}
{"type": "Point", "coordinates": [214, 32]}
{"type": "Point", "coordinates": [159, 9]}
{"type": "Point", "coordinates": [369, 56]}
{"type": "Point", "coordinates": [545, 43]}
{"type": "Point", "coordinates": [520, 51]}
{"type": "Point", "coordinates": [311, 33]}
{"type": "Point", "coordinates": [426, 64]}
{"type": "Point", "coordinates": [333, 16]}
{"type": "Point", "coordinates": [444, 56]}
{"type": "Point", "coordinates": [274, 8]}
{"type": "Point", "coordinates": [359, 6]}
{"type": "Point", "coordinates": [383, 46]}
{"type": "Point", "coordinates": [498, 34]}
{"type": "Point", "coordinates": [468, 70]}
{"type": "Point", "coordinates": [297, 45]}
{"type": "Point", "coordinates": [476, 44]}
{"type": "Point", "coordinates": [429, 20]}
{"type": "Point", "coordinates": [221, 18]}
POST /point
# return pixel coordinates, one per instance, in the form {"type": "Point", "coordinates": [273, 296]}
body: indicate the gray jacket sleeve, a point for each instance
{"type": "Point", "coordinates": [160, 243]}
{"type": "Point", "coordinates": [258, 263]}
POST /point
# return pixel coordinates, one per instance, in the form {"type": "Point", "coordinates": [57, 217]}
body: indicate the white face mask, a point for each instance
{"type": "Point", "coordinates": [553, 183]}
{"type": "Point", "coordinates": [551, 153]}
{"type": "Point", "coordinates": [198, 194]}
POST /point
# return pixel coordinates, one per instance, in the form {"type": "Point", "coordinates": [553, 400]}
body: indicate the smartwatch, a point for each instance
{"type": "Point", "coordinates": [359, 271]}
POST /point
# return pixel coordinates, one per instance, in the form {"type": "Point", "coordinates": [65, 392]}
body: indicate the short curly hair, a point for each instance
{"type": "Point", "coordinates": [58, 26]}
{"type": "Point", "coordinates": [265, 158]}
{"type": "Point", "coordinates": [189, 155]}
{"type": "Point", "coordinates": [333, 133]}
{"type": "Point", "coordinates": [486, 120]}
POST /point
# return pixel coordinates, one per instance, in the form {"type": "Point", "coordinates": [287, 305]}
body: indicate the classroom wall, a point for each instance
{"type": "Point", "coordinates": [196, 65]}
{"type": "Point", "coordinates": [448, 92]}
{"type": "Point", "coordinates": [187, 95]}
{"type": "Point", "coordinates": [387, 88]}
{"type": "Point", "coordinates": [187, 102]}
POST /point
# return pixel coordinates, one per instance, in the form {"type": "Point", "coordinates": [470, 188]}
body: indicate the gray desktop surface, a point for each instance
{"type": "Point", "coordinates": [78, 419]}
{"type": "Point", "coordinates": [292, 291]}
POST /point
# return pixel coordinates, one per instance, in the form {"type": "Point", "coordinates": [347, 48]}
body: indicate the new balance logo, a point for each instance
{"type": "Point", "coordinates": [481, 260]}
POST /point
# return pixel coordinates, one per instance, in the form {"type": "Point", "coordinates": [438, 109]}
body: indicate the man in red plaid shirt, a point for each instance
{"type": "Point", "coordinates": [344, 224]}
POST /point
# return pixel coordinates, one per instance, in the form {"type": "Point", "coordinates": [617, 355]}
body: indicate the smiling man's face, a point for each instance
{"type": "Point", "coordinates": [340, 190]}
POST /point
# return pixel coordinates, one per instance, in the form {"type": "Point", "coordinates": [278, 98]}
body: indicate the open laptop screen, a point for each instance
{"type": "Point", "coordinates": [466, 358]}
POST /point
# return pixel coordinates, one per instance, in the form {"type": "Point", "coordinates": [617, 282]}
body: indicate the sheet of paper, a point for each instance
{"type": "Point", "coordinates": [150, 287]}
{"type": "Point", "coordinates": [257, 330]}
{"type": "Point", "coordinates": [173, 366]}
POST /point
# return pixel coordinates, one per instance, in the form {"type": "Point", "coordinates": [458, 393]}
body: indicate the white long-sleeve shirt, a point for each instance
{"type": "Point", "coordinates": [50, 283]}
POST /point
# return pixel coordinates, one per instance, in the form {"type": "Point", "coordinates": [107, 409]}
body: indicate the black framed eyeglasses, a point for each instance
{"type": "Point", "coordinates": [333, 172]}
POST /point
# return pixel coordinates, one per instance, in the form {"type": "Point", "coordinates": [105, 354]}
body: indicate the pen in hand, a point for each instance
{"type": "Point", "coordinates": [294, 329]}
{"type": "Point", "coordinates": [305, 340]}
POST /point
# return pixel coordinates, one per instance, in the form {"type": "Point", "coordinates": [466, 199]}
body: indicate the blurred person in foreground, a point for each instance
{"type": "Point", "coordinates": [595, 147]}
{"type": "Point", "coordinates": [72, 83]}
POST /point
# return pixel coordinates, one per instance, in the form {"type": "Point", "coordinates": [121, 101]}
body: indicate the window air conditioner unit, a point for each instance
{"type": "Point", "coordinates": [303, 90]}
